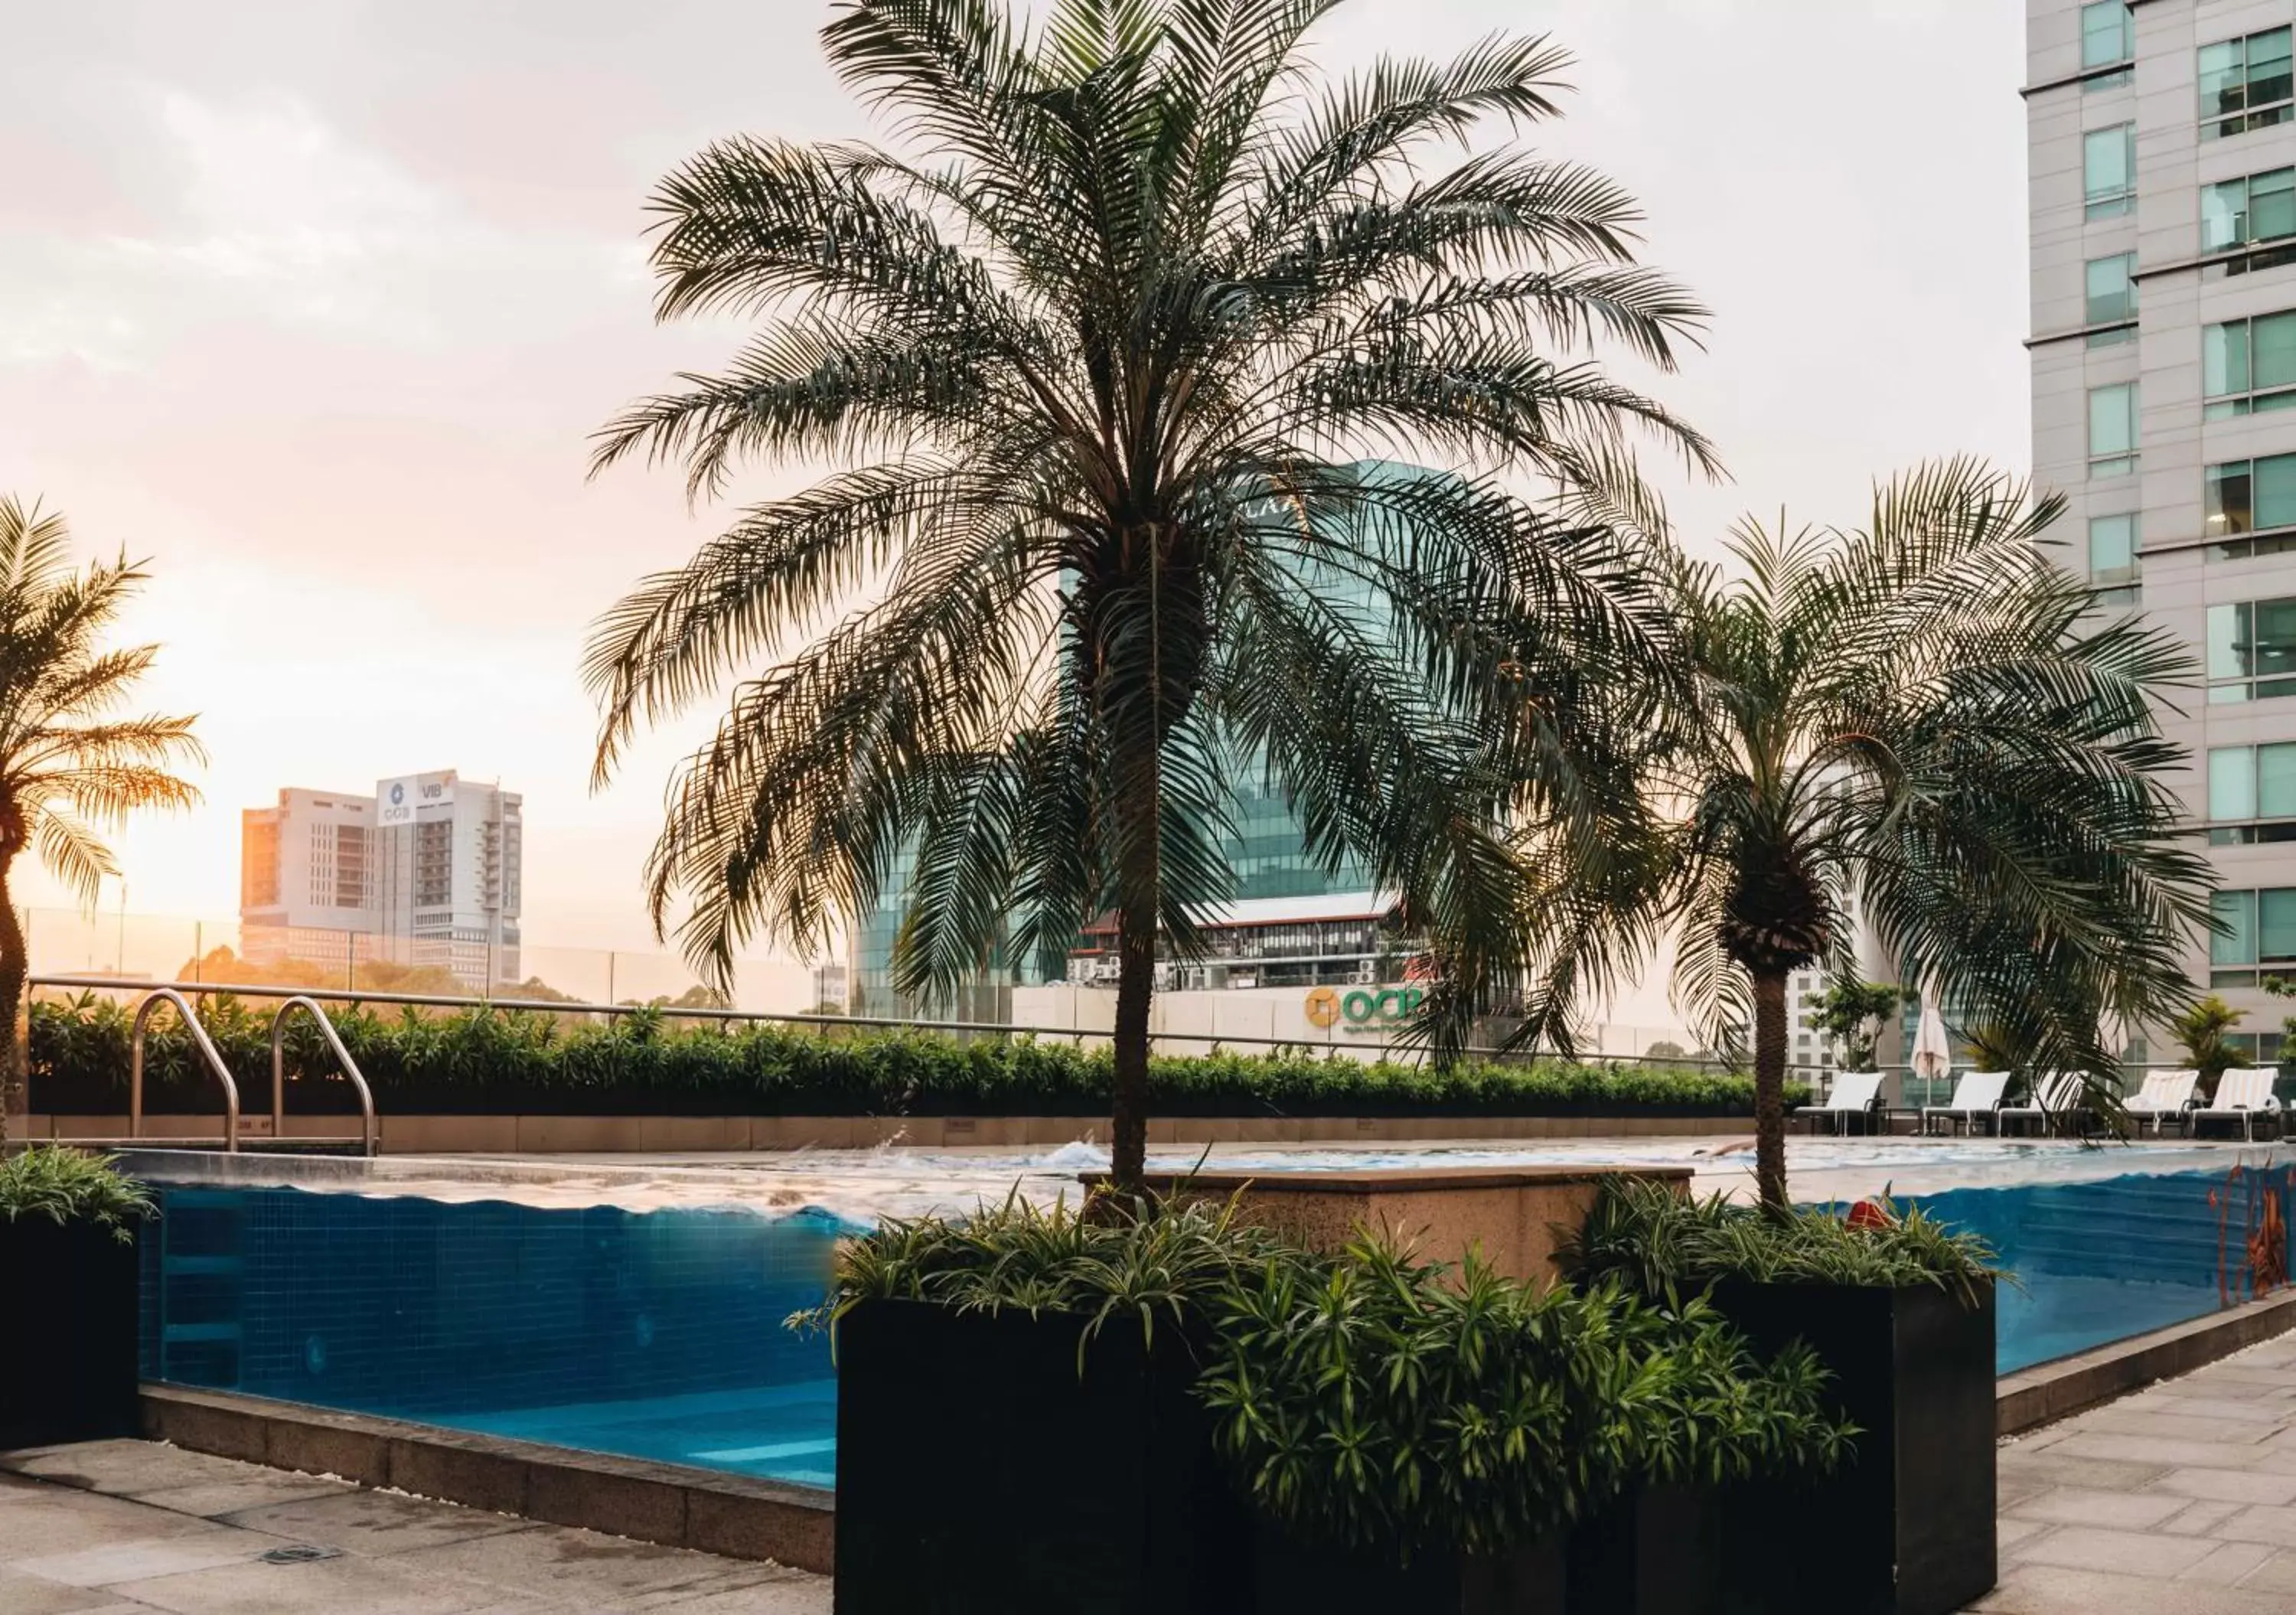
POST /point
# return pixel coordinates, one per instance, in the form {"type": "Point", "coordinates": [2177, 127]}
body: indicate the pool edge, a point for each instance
{"type": "Point", "coordinates": [2049, 1391]}
{"type": "Point", "coordinates": [670, 1505]}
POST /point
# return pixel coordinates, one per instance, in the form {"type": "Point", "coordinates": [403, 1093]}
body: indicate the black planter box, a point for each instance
{"type": "Point", "coordinates": [1905, 1526]}
{"type": "Point", "coordinates": [1292, 1579]}
{"type": "Point", "coordinates": [977, 1472]}
{"type": "Point", "coordinates": [68, 1347]}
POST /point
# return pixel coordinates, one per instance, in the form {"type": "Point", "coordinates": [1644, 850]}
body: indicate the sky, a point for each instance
{"type": "Point", "coordinates": [316, 303]}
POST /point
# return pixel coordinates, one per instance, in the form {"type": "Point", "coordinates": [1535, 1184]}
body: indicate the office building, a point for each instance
{"type": "Point", "coordinates": [427, 870]}
{"type": "Point", "coordinates": [2162, 180]}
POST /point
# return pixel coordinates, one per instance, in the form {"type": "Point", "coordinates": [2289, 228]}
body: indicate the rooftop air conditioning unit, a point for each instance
{"type": "Point", "coordinates": [1366, 973]}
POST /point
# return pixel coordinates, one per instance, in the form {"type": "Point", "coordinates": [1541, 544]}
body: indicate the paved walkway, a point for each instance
{"type": "Point", "coordinates": [2179, 1500]}
{"type": "Point", "coordinates": [124, 1527]}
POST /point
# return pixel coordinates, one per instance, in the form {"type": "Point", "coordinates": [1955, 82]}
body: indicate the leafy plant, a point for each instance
{"type": "Point", "coordinates": [1851, 1012]}
{"type": "Point", "coordinates": [70, 765]}
{"type": "Point", "coordinates": [1669, 1245]}
{"type": "Point", "coordinates": [1101, 346]}
{"type": "Point", "coordinates": [1386, 1404]}
{"type": "Point", "coordinates": [2200, 1032]}
{"type": "Point", "coordinates": [68, 1185]}
{"type": "Point", "coordinates": [512, 1062]}
{"type": "Point", "coordinates": [1926, 719]}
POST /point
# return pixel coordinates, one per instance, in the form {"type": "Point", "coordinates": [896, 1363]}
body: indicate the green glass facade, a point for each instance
{"type": "Point", "coordinates": [1267, 852]}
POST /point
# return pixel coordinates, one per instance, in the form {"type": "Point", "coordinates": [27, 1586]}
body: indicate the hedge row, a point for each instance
{"type": "Point", "coordinates": [488, 1062]}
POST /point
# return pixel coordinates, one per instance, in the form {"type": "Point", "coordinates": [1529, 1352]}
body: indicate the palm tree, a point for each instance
{"type": "Point", "coordinates": [1101, 367]}
{"type": "Point", "coordinates": [67, 764]}
{"type": "Point", "coordinates": [1925, 714]}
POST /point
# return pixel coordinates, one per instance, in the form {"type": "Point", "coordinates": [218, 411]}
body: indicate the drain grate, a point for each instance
{"type": "Point", "coordinates": [301, 1554]}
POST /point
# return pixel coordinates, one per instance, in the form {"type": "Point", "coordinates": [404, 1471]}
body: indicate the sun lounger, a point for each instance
{"type": "Point", "coordinates": [1855, 1094]}
{"type": "Point", "coordinates": [2166, 1096]}
{"type": "Point", "coordinates": [1976, 1096]}
{"type": "Point", "coordinates": [2056, 1098]}
{"type": "Point", "coordinates": [2244, 1096]}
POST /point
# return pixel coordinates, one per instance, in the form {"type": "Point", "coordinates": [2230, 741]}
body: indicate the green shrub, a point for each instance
{"type": "Point", "coordinates": [1373, 1400]}
{"type": "Point", "coordinates": [1665, 1244]}
{"type": "Point", "coordinates": [68, 1185]}
{"type": "Point", "coordinates": [489, 1062]}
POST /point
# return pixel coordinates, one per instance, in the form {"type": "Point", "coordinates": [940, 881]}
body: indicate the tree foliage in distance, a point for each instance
{"type": "Point", "coordinates": [1102, 343]}
{"type": "Point", "coordinates": [1850, 1014]}
{"type": "Point", "coordinates": [1928, 716]}
{"type": "Point", "coordinates": [71, 762]}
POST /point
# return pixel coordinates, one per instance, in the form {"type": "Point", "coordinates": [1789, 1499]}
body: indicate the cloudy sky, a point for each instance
{"type": "Point", "coordinates": [314, 302]}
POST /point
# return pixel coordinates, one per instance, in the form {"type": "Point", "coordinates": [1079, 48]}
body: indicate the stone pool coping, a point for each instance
{"type": "Point", "coordinates": [2049, 1391]}
{"type": "Point", "coordinates": [732, 1515]}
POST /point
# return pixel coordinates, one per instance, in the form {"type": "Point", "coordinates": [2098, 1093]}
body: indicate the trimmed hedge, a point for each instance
{"type": "Point", "coordinates": [487, 1062]}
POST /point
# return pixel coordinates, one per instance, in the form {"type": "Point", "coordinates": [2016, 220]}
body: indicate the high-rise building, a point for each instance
{"type": "Point", "coordinates": [2162, 173]}
{"type": "Point", "coordinates": [304, 878]}
{"type": "Point", "coordinates": [426, 871]}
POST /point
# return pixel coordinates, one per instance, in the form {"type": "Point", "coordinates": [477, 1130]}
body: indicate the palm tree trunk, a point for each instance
{"type": "Point", "coordinates": [1770, 1091]}
{"type": "Point", "coordinates": [13, 968]}
{"type": "Point", "coordinates": [1136, 980]}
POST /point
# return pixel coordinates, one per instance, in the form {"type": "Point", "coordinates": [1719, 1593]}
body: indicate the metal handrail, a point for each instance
{"type": "Point", "coordinates": [342, 1056]}
{"type": "Point", "coordinates": [152, 1000]}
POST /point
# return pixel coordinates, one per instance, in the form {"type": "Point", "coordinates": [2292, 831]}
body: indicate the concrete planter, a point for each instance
{"type": "Point", "coordinates": [68, 1350]}
{"type": "Point", "coordinates": [1908, 1527]}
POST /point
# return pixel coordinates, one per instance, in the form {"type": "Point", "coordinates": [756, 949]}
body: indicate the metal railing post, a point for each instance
{"type": "Point", "coordinates": [342, 1056]}
{"type": "Point", "coordinates": [200, 1039]}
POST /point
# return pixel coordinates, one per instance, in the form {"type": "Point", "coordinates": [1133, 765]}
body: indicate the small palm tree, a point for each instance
{"type": "Point", "coordinates": [67, 765]}
{"type": "Point", "coordinates": [1924, 714]}
{"type": "Point", "coordinates": [1103, 365]}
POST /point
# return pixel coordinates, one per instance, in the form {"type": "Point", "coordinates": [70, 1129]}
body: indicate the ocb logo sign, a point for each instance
{"type": "Point", "coordinates": [1363, 1009]}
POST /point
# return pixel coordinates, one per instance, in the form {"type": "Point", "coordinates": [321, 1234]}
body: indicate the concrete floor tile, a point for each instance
{"type": "Point", "coordinates": [213, 1498]}
{"type": "Point", "coordinates": [367, 1586]}
{"type": "Point", "coordinates": [2231, 1562]}
{"type": "Point", "coordinates": [2071, 1505]}
{"type": "Point", "coordinates": [2229, 1485]}
{"type": "Point", "coordinates": [22, 1594]}
{"type": "Point", "coordinates": [2260, 1524]}
{"type": "Point", "coordinates": [2009, 1532]}
{"type": "Point", "coordinates": [2199, 1518]}
{"type": "Point", "coordinates": [2124, 1553]}
{"type": "Point", "coordinates": [64, 1521]}
{"type": "Point", "coordinates": [377, 1524]}
{"type": "Point", "coordinates": [2054, 1468]}
{"type": "Point", "coordinates": [124, 1468]}
{"type": "Point", "coordinates": [589, 1570]}
{"type": "Point", "coordinates": [138, 1560]}
{"type": "Point", "coordinates": [2277, 1574]}
{"type": "Point", "coordinates": [2167, 1452]}
{"type": "Point", "coordinates": [2041, 1589]}
{"type": "Point", "coordinates": [2175, 1424]}
{"type": "Point", "coordinates": [796, 1594]}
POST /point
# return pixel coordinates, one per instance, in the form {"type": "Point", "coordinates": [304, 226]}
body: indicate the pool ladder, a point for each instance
{"type": "Point", "coordinates": [152, 1001]}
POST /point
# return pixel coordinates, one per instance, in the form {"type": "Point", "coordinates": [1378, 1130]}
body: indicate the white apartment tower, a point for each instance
{"type": "Point", "coordinates": [426, 871]}
{"type": "Point", "coordinates": [2162, 170]}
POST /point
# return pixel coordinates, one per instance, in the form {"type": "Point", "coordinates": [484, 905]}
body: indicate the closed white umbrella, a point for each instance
{"type": "Point", "coordinates": [1932, 1055]}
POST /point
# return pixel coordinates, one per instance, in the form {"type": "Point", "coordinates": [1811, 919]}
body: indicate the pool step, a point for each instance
{"type": "Point", "coordinates": [201, 1280]}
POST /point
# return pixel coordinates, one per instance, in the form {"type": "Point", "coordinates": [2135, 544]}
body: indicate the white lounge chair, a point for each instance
{"type": "Point", "coordinates": [2166, 1096]}
{"type": "Point", "coordinates": [2245, 1095]}
{"type": "Point", "coordinates": [2057, 1094]}
{"type": "Point", "coordinates": [1977, 1094]}
{"type": "Point", "coordinates": [1855, 1094]}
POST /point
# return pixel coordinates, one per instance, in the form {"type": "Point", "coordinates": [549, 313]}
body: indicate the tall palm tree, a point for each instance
{"type": "Point", "coordinates": [1101, 364]}
{"type": "Point", "coordinates": [1926, 715]}
{"type": "Point", "coordinates": [68, 765]}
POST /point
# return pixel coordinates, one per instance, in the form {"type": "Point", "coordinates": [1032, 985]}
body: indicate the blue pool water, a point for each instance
{"type": "Point", "coordinates": [662, 1335]}
{"type": "Point", "coordinates": [656, 1334]}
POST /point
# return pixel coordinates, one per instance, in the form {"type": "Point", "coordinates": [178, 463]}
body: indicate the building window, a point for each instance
{"type": "Point", "coordinates": [2113, 430]}
{"type": "Point", "coordinates": [2113, 561]}
{"type": "Point", "coordinates": [2257, 928]}
{"type": "Point", "coordinates": [2252, 794]}
{"type": "Point", "coordinates": [2239, 212]}
{"type": "Point", "coordinates": [2248, 366]}
{"type": "Point", "coordinates": [2111, 287]}
{"type": "Point", "coordinates": [2245, 84]}
{"type": "Point", "coordinates": [2108, 33]}
{"type": "Point", "coordinates": [2108, 170]}
{"type": "Point", "coordinates": [2251, 650]}
{"type": "Point", "coordinates": [2249, 496]}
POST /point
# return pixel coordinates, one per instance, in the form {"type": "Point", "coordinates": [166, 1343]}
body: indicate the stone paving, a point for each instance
{"type": "Point", "coordinates": [2178, 1500]}
{"type": "Point", "coordinates": [126, 1527]}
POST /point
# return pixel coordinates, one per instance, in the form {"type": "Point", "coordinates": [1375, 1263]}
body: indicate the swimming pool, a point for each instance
{"type": "Point", "coordinates": [660, 1332]}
